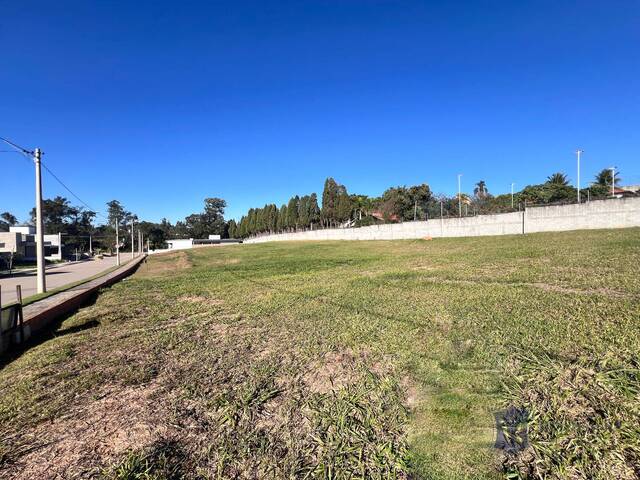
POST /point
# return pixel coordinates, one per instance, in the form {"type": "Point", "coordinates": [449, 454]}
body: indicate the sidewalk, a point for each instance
{"type": "Point", "coordinates": [56, 276]}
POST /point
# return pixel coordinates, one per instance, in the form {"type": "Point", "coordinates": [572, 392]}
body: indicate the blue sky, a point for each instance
{"type": "Point", "coordinates": [160, 104]}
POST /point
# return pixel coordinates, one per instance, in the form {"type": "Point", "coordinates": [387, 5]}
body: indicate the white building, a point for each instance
{"type": "Point", "coordinates": [180, 243]}
{"type": "Point", "coordinates": [185, 243]}
{"type": "Point", "coordinates": [21, 240]}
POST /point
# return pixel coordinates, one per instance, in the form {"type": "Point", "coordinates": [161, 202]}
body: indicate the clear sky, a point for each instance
{"type": "Point", "coordinates": [162, 103]}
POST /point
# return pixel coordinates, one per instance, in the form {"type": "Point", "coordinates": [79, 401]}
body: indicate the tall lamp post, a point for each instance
{"type": "Point", "coordinates": [512, 184]}
{"type": "Point", "coordinates": [578, 153]}
{"type": "Point", "coordinates": [613, 181]}
{"type": "Point", "coordinates": [459, 197]}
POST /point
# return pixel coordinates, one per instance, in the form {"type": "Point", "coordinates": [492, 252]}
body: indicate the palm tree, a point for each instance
{"type": "Point", "coordinates": [558, 178]}
{"type": "Point", "coordinates": [604, 177]}
{"type": "Point", "coordinates": [481, 189]}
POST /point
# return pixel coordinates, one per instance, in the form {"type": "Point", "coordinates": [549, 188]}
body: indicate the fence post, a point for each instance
{"type": "Point", "coordinates": [20, 318]}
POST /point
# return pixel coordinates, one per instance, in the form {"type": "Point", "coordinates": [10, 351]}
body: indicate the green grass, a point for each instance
{"type": "Point", "coordinates": [343, 360]}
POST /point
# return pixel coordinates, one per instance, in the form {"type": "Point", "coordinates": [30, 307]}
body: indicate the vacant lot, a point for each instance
{"type": "Point", "coordinates": [336, 360]}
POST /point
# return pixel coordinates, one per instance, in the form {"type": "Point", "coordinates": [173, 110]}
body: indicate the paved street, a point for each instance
{"type": "Point", "coordinates": [57, 276]}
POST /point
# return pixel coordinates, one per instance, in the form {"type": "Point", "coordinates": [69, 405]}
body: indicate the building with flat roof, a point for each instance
{"type": "Point", "coordinates": [21, 241]}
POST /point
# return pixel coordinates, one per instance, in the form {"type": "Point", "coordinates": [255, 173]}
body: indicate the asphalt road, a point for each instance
{"type": "Point", "coordinates": [56, 276]}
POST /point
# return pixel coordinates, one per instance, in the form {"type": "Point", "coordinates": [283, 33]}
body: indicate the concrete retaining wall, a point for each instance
{"type": "Point", "coordinates": [613, 213]}
{"type": "Point", "coordinates": [39, 314]}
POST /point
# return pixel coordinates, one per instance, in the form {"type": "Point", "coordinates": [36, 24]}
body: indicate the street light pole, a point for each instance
{"type": "Point", "coordinates": [132, 242]}
{"type": "Point", "coordinates": [578, 152]}
{"type": "Point", "coordinates": [613, 181]}
{"type": "Point", "coordinates": [512, 184]}
{"type": "Point", "coordinates": [41, 280]}
{"type": "Point", "coordinates": [459, 198]}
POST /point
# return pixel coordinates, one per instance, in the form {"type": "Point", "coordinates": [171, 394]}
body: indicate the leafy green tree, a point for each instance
{"type": "Point", "coordinates": [405, 203]}
{"type": "Point", "coordinates": [115, 210]}
{"type": "Point", "coordinates": [549, 192]}
{"type": "Point", "coordinates": [7, 220]}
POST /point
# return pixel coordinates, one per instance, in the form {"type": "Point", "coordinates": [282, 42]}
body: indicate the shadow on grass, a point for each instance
{"type": "Point", "coordinates": [49, 333]}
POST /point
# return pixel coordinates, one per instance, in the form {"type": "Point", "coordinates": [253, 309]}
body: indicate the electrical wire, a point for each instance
{"type": "Point", "coordinates": [70, 191]}
{"type": "Point", "coordinates": [29, 155]}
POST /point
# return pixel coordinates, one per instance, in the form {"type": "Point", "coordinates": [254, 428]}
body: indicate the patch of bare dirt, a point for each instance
{"type": "Point", "coordinates": [199, 299]}
{"type": "Point", "coordinates": [163, 264]}
{"type": "Point", "coordinates": [334, 370]}
{"type": "Point", "coordinates": [410, 393]}
{"type": "Point", "coordinates": [74, 445]}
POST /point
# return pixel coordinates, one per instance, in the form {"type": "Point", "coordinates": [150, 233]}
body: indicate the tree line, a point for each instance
{"type": "Point", "coordinates": [396, 204]}
{"type": "Point", "coordinates": [77, 225]}
{"type": "Point", "coordinates": [336, 208]}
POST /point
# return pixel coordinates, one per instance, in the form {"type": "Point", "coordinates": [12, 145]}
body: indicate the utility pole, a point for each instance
{"type": "Point", "coordinates": [132, 242]}
{"type": "Point", "coordinates": [459, 197]}
{"type": "Point", "coordinates": [41, 280]}
{"type": "Point", "coordinates": [90, 246]}
{"type": "Point", "coordinates": [415, 210]}
{"type": "Point", "coordinates": [578, 152]}
{"type": "Point", "coordinates": [613, 181]}
{"type": "Point", "coordinates": [512, 184]}
{"type": "Point", "coordinates": [117, 243]}
{"type": "Point", "coordinates": [60, 245]}
{"type": "Point", "coordinates": [441, 219]}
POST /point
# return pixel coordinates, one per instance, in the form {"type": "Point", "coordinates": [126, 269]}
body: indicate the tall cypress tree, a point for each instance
{"type": "Point", "coordinates": [303, 212]}
{"type": "Point", "coordinates": [292, 212]}
{"type": "Point", "coordinates": [329, 200]}
{"type": "Point", "coordinates": [282, 218]}
{"type": "Point", "coordinates": [314, 210]}
{"type": "Point", "coordinates": [343, 205]}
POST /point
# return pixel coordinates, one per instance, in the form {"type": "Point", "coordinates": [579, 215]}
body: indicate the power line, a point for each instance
{"type": "Point", "coordinates": [71, 191]}
{"type": "Point", "coordinates": [18, 147]}
{"type": "Point", "coordinates": [29, 154]}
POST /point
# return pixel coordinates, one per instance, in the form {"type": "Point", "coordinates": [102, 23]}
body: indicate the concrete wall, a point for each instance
{"type": "Point", "coordinates": [614, 213]}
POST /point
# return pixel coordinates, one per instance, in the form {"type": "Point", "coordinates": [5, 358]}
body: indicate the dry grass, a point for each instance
{"type": "Point", "coordinates": [341, 360]}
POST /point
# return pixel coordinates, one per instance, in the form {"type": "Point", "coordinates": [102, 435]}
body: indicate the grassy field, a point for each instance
{"type": "Point", "coordinates": [342, 360]}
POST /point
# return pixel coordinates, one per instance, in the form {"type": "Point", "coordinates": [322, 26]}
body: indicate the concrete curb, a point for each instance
{"type": "Point", "coordinates": [39, 314]}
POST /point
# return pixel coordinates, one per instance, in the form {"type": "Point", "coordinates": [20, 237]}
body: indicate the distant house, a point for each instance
{"type": "Point", "coordinates": [21, 240]}
{"type": "Point", "coordinates": [627, 191]}
{"type": "Point", "coordinates": [378, 215]}
{"type": "Point", "coordinates": [185, 243]}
